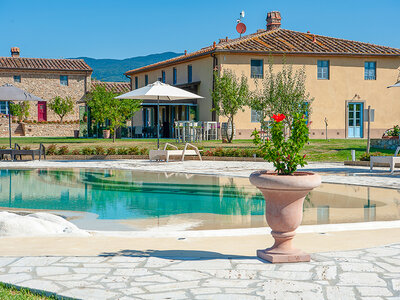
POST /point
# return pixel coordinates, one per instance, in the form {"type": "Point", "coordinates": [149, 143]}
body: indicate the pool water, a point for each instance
{"type": "Point", "coordinates": [146, 200]}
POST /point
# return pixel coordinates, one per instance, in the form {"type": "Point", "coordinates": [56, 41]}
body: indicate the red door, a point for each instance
{"type": "Point", "coordinates": [42, 111]}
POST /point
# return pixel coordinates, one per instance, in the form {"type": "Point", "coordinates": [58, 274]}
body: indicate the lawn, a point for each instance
{"type": "Point", "coordinates": [11, 293]}
{"type": "Point", "coordinates": [316, 150]}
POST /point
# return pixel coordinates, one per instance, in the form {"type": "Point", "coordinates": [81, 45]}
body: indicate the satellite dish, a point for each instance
{"type": "Point", "coordinates": [242, 14]}
{"type": "Point", "coordinates": [241, 28]}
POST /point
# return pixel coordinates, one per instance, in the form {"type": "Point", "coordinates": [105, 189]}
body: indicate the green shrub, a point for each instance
{"type": "Point", "coordinates": [51, 150]}
{"type": "Point", "coordinates": [111, 151]}
{"type": "Point", "coordinates": [63, 150]}
{"type": "Point", "coordinates": [133, 150]}
{"type": "Point", "coordinates": [122, 151]}
{"type": "Point", "coordinates": [87, 151]}
{"type": "Point", "coordinates": [3, 147]}
{"type": "Point", "coordinates": [26, 148]}
{"type": "Point", "coordinates": [99, 150]}
{"type": "Point", "coordinates": [144, 151]}
{"type": "Point", "coordinates": [75, 152]}
{"type": "Point", "coordinates": [366, 157]}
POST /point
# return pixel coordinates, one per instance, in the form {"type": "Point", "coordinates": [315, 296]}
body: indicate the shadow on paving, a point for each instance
{"type": "Point", "coordinates": [178, 254]}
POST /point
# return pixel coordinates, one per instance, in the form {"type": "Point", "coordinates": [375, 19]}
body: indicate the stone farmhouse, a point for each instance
{"type": "Point", "coordinates": [46, 78]}
{"type": "Point", "coordinates": [343, 76]}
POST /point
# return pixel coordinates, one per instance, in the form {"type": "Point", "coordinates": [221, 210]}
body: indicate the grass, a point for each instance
{"type": "Point", "coordinates": [8, 293]}
{"type": "Point", "coordinates": [316, 150]}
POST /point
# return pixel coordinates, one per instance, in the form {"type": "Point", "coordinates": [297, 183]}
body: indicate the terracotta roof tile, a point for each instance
{"type": "Point", "coordinates": [116, 87]}
{"type": "Point", "coordinates": [23, 63]}
{"type": "Point", "coordinates": [283, 41]}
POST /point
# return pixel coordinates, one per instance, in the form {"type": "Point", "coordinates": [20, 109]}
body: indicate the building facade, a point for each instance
{"type": "Point", "coordinates": [344, 77]}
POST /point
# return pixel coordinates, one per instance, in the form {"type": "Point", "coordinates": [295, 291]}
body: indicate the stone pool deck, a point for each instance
{"type": "Point", "coordinates": [192, 269]}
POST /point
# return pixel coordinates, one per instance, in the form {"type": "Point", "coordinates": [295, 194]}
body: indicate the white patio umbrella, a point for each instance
{"type": "Point", "coordinates": [395, 85]}
{"type": "Point", "coordinates": [8, 93]}
{"type": "Point", "coordinates": [159, 91]}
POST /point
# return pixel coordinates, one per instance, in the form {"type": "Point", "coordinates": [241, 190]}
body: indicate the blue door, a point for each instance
{"type": "Point", "coordinates": [355, 120]}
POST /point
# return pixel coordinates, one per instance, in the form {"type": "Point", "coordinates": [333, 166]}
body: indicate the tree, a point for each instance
{"type": "Point", "coordinates": [230, 95]}
{"type": "Point", "coordinates": [104, 106]}
{"type": "Point", "coordinates": [283, 92]}
{"type": "Point", "coordinates": [61, 106]}
{"type": "Point", "coordinates": [20, 109]}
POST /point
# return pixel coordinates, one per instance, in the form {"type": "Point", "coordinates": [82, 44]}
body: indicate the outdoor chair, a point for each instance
{"type": "Point", "coordinates": [391, 160]}
{"type": "Point", "coordinates": [139, 131]}
{"type": "Point", "coordinates": [163, 155]}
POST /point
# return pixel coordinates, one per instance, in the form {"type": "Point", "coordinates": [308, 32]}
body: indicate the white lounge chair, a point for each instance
{"type": "Point", "coordinates": [165, 154]}
{"type": "Point", "coordinates": [392, 160]}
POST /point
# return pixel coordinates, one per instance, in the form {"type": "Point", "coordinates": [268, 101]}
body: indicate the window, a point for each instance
{"type": "Point", "coordinates": [17, 78]}
{"type": "Point", "coordinates": [257, 68]}
{"type": "Point", "coordinates": [4, 107]}
{"type": "Point", "coordinates": [323, 69]}
{"type": "Point", "coordinates": [146, 79]}
{"type": "Point", "coordinates": [163, 76]}
{"type": "Point", "coordinates": [174, 75]}
{"type": "Point", "coordinates": [136, 82]}
{"type": "Point", "coordinates": [189, 73]}
{"type": "Point", "coordinates": [370, 70]}
{"type": "Point", "coordinates": [255, 116]}
{"type": "Point", "coordinates": [64, 79]}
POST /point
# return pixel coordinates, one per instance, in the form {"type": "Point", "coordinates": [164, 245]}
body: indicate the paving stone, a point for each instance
{"type": "Point", "coordinates": [264, 267]}
{"type": "Point", "coordinates": [172, 286]}
{"type": "Point", "coordinates": [154, 279]}
{"type": "Point", "coordinates": [296, 267]}
{"type": "Point", "coordinates": [66, 277]}
{"type": "Point", "coordinates": [132, 272]}
{"type": "Point", "coordinates": [94, 277]}
{"type": "Point", "coordinates": [396, 284]}
{"type": "Point", "coordinates": [34, 261]}
{"type": "Point", "coordinates": [92, 270]}
{"type": "Point", "coordinates": [210, 264]}
{"type": "Point", "coordinates": [227, 297]}
{"type": "Point", "coordinates": [389, 267]}
{"type": "Point", "coordinates": [383, 251]}
{"type": "Point", "coordinates": [89, 294]}
{"type": "Point", "coordinates": [391, 260]}
{"type": "Point", "coordinates": [75, 283]}
{"type": "Point", "coordinates": [15, 278]}
{"type": "Point", "coordinates": [47, 271]}
{"type": "Point", "coordinates": [184, 275]}
{"type": "Point", "coordinates": [4, 261]}
{"type": "Point", "coordinates": [228, 283]}
{"type": "Point", "coordinates": [287, 275]}
{"type": "Point", "coordinates": [133, 290]}
{"type": "Point", "coordinates": [340, 292]}
{"type": "Point", "coordinates": [285, 289]}
{"type": "Point", "coordinates": [325, 273]}
{"type": "Point", "coordinates": [233, 274]}
{"type": "Point", "coordinates": [201, 291]}
{"type": "Point", "coordinates": [156, 262]}
{"type": "Point", "coordinates": [20, 269]}
{"type": "Point", "coordinates": [112, 278]}
{"type": "Point", "coordinates": [360, 279]}
{"type": "Point", "coordinates": [172, 295]}
{"type": "Point", "coordinates": [116, 285]}
{"type": "Point", "coordinates": [79, 259]}
{"type": "Point", "coordinates": [126, 259]}
{"type": "Point", "coordinates": [344, 254]}
{"type": "Point", "coordinates": [360, 267]}
{"type": "Point", "coordinates": [374, 291]}
{"type": "Point", "coordinates": [37, 284]}
{"type": "Point", "coordinates": [234, 290]}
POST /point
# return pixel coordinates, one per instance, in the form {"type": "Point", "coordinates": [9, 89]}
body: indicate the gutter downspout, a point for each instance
{"type": "Point", "coordinates": [215, 64]}
{"type": "Point", "coordinates": [130, 80]}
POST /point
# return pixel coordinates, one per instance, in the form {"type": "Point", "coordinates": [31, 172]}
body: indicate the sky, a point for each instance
{"type": "Point", "coordinates": [127, 28]}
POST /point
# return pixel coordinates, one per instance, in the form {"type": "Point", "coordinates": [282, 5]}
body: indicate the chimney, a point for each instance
{"type": "Point", "coordinates": [14, 52]}
{"type": "Point", "coordinates": [273, 20]}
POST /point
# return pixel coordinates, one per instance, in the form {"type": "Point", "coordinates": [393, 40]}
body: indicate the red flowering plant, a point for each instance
{"type": "Point", "coordinates": [284, 153]}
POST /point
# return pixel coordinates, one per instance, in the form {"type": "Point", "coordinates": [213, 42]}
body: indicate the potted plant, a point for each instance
{"type": "Point", "coordinates": [106, 133]}
{"type": "Point", "coordinates": [285, 188]}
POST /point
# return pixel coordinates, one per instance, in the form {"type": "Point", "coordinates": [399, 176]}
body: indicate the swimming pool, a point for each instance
{"type": "Point", "coordinates": [138, 200]}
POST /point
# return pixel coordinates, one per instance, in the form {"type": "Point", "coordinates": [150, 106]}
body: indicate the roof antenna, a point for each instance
{"type": "Point", "coordinates": [240, 27]}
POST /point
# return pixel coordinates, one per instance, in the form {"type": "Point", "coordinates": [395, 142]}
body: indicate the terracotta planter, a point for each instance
{"type": "Point", "coordinates": [284, 196]}
{"type": "Point", "coordinates": [106, 134]}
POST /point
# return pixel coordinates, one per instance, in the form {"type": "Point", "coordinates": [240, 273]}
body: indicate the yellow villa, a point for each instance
{"type": "Point", "coordinates": [344, 77]}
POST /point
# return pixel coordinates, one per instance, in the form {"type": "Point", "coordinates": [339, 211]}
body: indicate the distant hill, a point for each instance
{"type": "Point", "coordinates": [114, 69]}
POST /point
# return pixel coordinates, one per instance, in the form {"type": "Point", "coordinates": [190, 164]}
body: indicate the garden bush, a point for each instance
{"type": "Point", "coordinates": [111, 151]}
{"type": "Point", "coordinates": [133, 150]}
{"type": "Point", "coordinates": [366, 156]}
{"type": "Point", "coordinates": [26, 148]}
{"type": "Point", "coordinates": [63, 150]}
{"type": "Point", "coordinates": [144, 151]}
{"type": "Point", "coordinates": [51, 150]}
{"type": "Point", "coordinates": [76, 152]}
{"type": "Point", "coordinates": [87, 151]}
{"type": "Point", "coordinates": [99, 150]}
{"type": "Point", "coordinates": [122, 151]}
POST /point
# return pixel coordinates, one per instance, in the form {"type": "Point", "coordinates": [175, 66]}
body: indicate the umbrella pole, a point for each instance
{"type": "Point", "coordinates": [158, 122]}
{"type": "Point", "coordinates": [9, 122]}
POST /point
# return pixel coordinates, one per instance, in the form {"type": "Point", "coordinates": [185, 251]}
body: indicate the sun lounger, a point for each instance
{"type": "Point", "coordinates": [17, 151]}
{"type": "Point", "coordinates": [391, 160]}
{"type": "Point", "coordinates": [165, 154]}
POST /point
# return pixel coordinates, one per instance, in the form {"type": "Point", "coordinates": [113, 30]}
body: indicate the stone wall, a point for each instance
{"type": "Point", "coordinates": [50, 130]}
{"type": "Point", "coordinates": [385, 143]}
{"type": "Point", "coordinates": [46, 85]}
